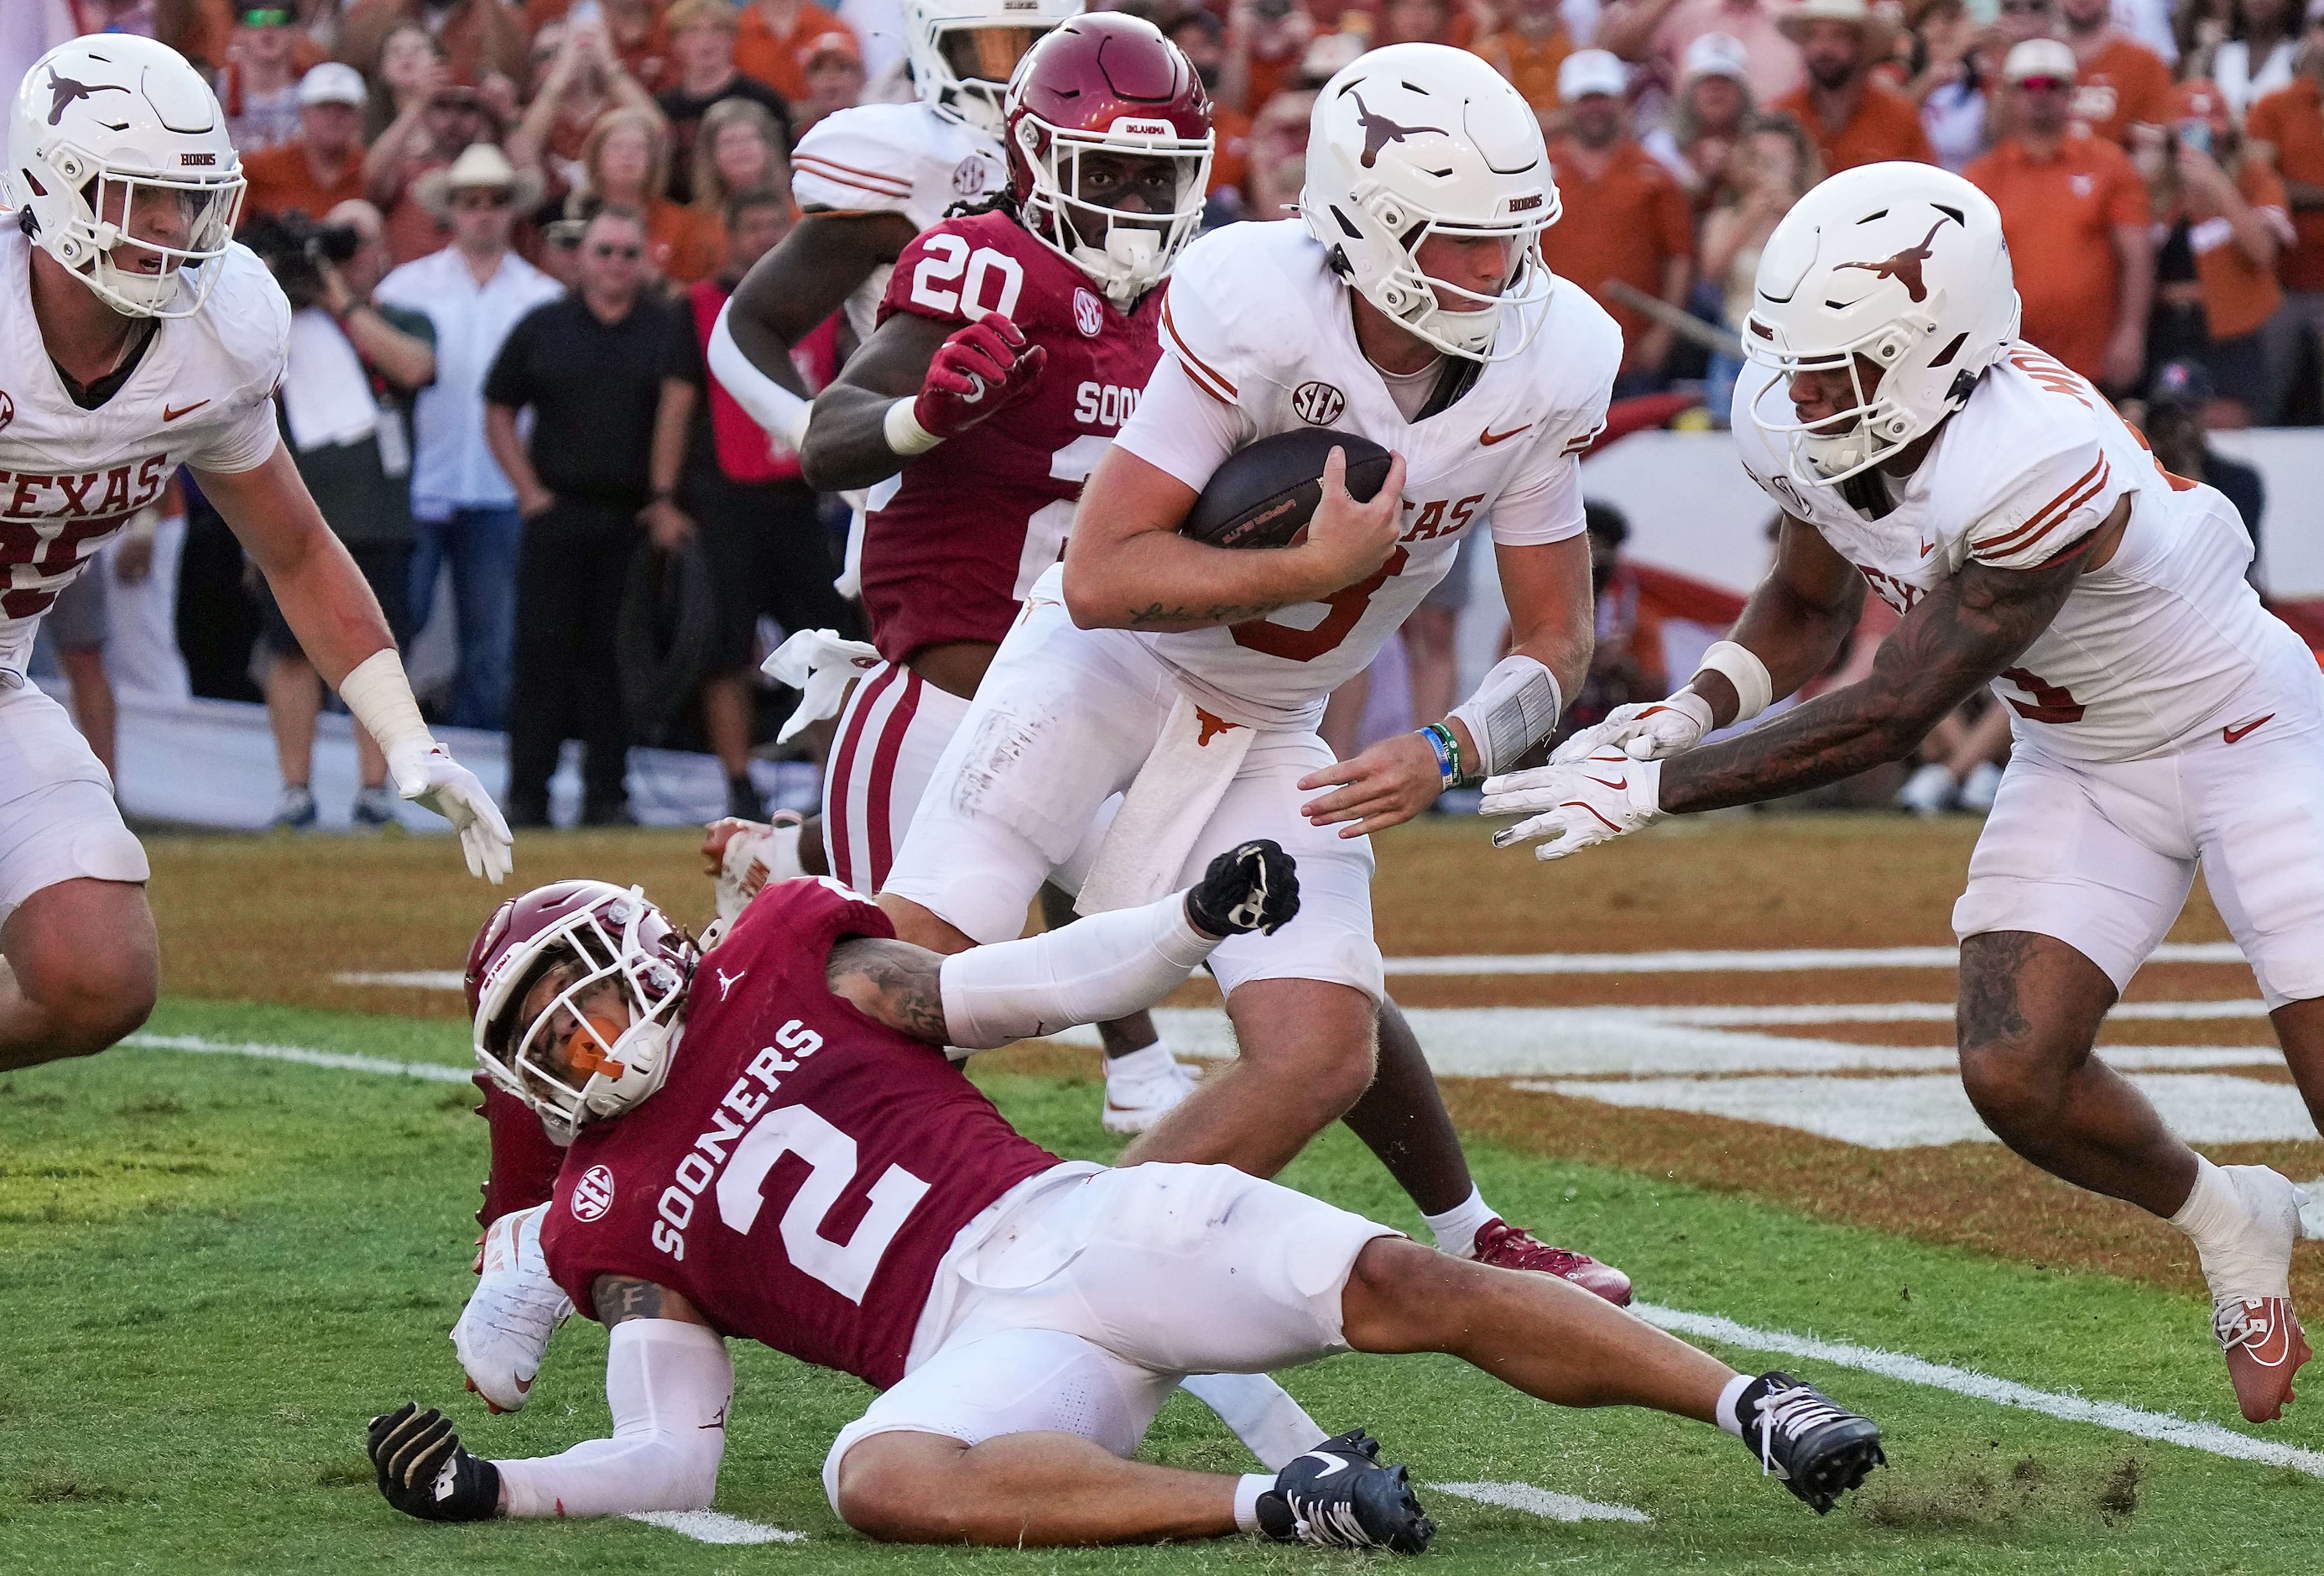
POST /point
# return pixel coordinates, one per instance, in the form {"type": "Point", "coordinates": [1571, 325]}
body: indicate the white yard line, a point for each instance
{"type": "Point", "coordinates": [1756, 961]}
{"type": "Point", "coordinates": [712, 1526]}
{"type": "Point", "coordinates": [2163, 1426]}
{"type": "Point", "coordinates": [408, 978]}
{"type": "Point", "coordinates": [432, 1071]}
{"type": "Point", "coordinates": [1542, 1502]}
{"type": "Point", "coordinates": [1926, 1012]}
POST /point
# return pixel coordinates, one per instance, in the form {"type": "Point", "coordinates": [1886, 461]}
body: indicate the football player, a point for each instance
{"type": "Point", "coordinates": [136, 337]}
{"type": "Point", "coordinates": [1409, 303]}
{"type": "Point", "coordinates": [771, 1144]}
{"type": "Point", "coordinates": [2162, 719]}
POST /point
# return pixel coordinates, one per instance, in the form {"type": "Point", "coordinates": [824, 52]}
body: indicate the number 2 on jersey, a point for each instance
{"type": "Point", "coordinates": [949, 259]}
{"type": "Point", "coordinates": [846, 1267]}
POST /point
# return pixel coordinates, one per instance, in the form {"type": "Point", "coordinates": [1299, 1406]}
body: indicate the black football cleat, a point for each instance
{"type": "Point", "coordinates": [1817, 1448]}
{"type": "Point", "coordinates": [1337, 1496]}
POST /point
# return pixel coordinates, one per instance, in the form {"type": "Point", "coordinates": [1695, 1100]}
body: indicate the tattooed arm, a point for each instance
{"type": "Point", "coordinates": [893, 981]}
{"type": "Point", "coordinates": [1957, 638]}
{"type": "Point", "coordinates": [620, 1298]}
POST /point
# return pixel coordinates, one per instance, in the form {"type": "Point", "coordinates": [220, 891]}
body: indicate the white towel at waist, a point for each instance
{"type": "Point", "coordinates": [1168, 804]}
{"type": "Point", "coordinates": [819, 666]}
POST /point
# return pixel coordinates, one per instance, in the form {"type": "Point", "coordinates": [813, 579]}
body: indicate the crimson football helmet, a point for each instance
{"type": "Point", "coordinates": [594, 932]}
{"type": "Point", "coordinates": [1108, 84]}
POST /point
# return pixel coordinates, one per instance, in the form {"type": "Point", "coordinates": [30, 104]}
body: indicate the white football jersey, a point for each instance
{"type": "Point", "coordinates": [69, 480]}
{"type": "Point", "coordinates": [891, 158]}
{"type": "Point", "coordinates": [2166, 641]}
{"type": "Point", "coordinates": [1256, 317]}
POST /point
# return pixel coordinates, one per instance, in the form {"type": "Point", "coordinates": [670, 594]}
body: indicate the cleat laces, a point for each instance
{"type": "Point", "coordinates": [1795, 1411]}
{"type": "Point", "coordinates": [2233, 1323]}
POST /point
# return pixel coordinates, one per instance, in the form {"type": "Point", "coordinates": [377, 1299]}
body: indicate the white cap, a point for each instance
{"type": "Point", "coordinates": [1586, 71]}
{"type": "Point", "coordinates": [1719, 54]}
{"type": "Point", "coordinates": [2039, 57]}
{"type": "Point", "coordinates": [332, 82]}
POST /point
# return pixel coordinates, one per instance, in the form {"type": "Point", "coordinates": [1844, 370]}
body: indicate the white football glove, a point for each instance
{"type": "Point", "coordinates": [1580, 803]}
{"type": "Point", "coordinates": [427, 774]}
{"type": "Point", "coordinates": [749, 854]}
{"type": "Point", "coordinates": [1648, 731]}
{"type": "Point", "coordinates": [503, 1331]}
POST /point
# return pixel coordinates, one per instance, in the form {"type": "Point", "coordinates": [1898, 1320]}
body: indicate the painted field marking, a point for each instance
{"type": "Point", "coordinates": [409, 978]}
{"type": "Point", "coordinates": [1542, 1502]}
{"type": "Point", "coordinates": [1928, 1012]}
{"type": "Point", "coordinates": [343, 1062]}
{"type": "Point", "coordinates": [2161, 1426]}
{"type": "Point", "coordinates": [1911, 1113]}
{"type": "Point", "coordinates": [712, 1526]}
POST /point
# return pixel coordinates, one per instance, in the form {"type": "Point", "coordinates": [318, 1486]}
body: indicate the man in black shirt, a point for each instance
{"type": "Point", "coordinates": [2176, 408]}
{"type": "Point", "coordinates": [590, 367]}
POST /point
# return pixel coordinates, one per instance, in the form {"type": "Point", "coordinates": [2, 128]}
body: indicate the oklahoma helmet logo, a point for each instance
{"type": "Point", "coordinates": [1318, 403]}
{"type": "Point", "coordinates": [1088, 316]}
{"type": "Point", "coordinates": [593, 1195]}
{"type": "Point", "coordinates": [1905, 266]}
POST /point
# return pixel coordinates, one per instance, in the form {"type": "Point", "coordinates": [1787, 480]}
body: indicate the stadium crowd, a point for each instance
{"type": "Point", "coordinates": [508, 225]}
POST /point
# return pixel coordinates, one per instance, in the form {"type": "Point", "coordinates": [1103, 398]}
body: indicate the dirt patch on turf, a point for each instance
{"type": "Point", "coordinates": [1996, 1496]}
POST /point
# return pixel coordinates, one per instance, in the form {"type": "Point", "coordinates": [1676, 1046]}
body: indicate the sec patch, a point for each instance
{"type": "Point", "coordinates": [593, 1195]}
{"type": "Point", "coordinates": [1088, 317]}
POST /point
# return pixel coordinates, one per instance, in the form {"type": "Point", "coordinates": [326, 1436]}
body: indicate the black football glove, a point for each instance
{"type": "Point", "coordinates": [1252, 886]}
{"type": "Point", "coordinates": [424, 1472]}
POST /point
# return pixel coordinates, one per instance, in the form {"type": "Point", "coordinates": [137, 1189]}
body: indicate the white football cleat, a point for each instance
{"type": "Point", "coordinates": [1927, 792]}
{"type": "Point", "coordinates": [503, 1332]}
{"type": "Point", "coordinates": [2251, 1300]}
{"type": "Point", "coordinates": [1979, 789]}
{"type": "Point", "coordinates": [1141, 1094]}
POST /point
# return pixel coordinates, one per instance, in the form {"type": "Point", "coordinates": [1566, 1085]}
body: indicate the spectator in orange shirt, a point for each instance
{"type": "Point", "coordinates": [1527, 47]}
{"type": "Point", "coordinates": [2286, 129]}
{"type": "Point", "coordinates": [702, 44]}
{"type": "Point", "coordinates": [772, 33]}
{"type": "Point", "coordinates": [259, 85]}
{"type": "Point", "coordinates": [2228, 210]}
{"type": "Point", "coordinates": [2121, 83]}
{"type": "Point", "coordinates": [428, 135]}
{"type": "Point", "coordinates": [1201, 38]}
{"type": "Point", "coordinates": [639, 30]}
{"type": "Point", "coordinates": [832, 66]}
{"type": "Point", "coordinates": [739, 155]}
{"type": "Point", "coordinates": [625, 165]}
{"type": "Point", "coordinates": [478, 37]}
{"type": "Point", "coordinates": [1265, 41]}
{"type": "Point", "coordinates": [1625, 218]}
{"type": "Point", "coordinates": [1853, 119]}
{"type": "Point", "coordinates": [322, 166]}
{"type": "Point", "coordinates": [580, 80]}
{"type": "Point", "coordinates": [2074, 213]}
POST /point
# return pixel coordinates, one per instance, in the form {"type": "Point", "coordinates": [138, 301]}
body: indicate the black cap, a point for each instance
{"type": "Point", "coordinates": [2182, 385]}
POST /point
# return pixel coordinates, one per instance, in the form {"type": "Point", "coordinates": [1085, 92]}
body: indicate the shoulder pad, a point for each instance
{"type": "Point", "coordinates": [1240, 306]}
{"type": "Point", "coordinates": [2047, 507]}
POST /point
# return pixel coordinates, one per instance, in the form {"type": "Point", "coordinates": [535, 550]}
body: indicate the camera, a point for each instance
{"type": "Point", "coordinates": [290, 243]}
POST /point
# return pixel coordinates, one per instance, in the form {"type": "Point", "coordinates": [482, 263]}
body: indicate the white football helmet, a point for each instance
{"type": "Point", "coordinates": [963, 53]}
{"type": "Point", "coordinates": [1898, 264]}
{"type": "Point", "coordinates": [587, 933]}
{"type": "Point", "coordinates": [1418, 139]}
{"type": "Point", "coordinates": [116, 141]}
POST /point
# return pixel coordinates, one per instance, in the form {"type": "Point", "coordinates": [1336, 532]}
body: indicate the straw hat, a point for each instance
{"type": "Point", "coordinates": [1878, 31]}
{"type": "Point", "coordinates": [480, 165]}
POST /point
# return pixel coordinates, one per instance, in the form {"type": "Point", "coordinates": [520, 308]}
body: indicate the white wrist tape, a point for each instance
{"type": "Point", "coordinates": [1091, 971]}
{"type": "Point", "coordinates": [379, 696]}
{"type": "Point", "coordinates": [1755, 687]}
{"type": "Point", "coordinates": [669, 1383]}
{"type": "Point", "coordinates": [1514, 709]}
{"type": "Point", "coordinates": [906, 437]}
{"type": "Point", "coordinates": [780, 412]}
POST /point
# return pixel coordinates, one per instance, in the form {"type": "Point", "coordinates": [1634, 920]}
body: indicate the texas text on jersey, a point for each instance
{"type": "Point", "coordinates": [804, 1170]}
{"type": "Point", "coordinates": [2163, 641]}
{"type": "Point", "coordinates": [891, 158]}
{"type": "Point", "coordinates": [956, 539]}
{"type": "Point", "coordinates": [1257, 320]}
{"type": "Point", "coordinates": [200, 395]}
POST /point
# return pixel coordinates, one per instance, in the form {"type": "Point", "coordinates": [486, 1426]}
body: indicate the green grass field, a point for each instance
{"type": "Point", "coordinates": [215, 1268]}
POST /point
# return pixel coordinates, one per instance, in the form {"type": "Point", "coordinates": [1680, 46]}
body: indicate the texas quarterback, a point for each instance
{"type": "Point", "coordinates": [136, 337]}
{"type": "Point", "coordinates": [2162, 719]}
{"type": "Point", "coordinates": [1409, 303]}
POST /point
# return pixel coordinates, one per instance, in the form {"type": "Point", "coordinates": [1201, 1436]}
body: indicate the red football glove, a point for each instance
{"type": "Point", "coordinates": [985, 366]}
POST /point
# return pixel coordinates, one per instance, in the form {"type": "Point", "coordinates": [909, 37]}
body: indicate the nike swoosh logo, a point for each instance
{"type": "Point", "coordinates": [2233, 733]}
{"type": "Point", "coordinates": [1619, 783]}
{"type": "Point", "coordinates": [170, 416]}
{"type": "Point", "coordinates": [1488, 437]}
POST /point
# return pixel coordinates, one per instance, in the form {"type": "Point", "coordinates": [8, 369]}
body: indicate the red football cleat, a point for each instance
{"type": "Point", "coordinates": [1506, 1247]}
{"type": "Point", "coordinates": [2264, 1348]}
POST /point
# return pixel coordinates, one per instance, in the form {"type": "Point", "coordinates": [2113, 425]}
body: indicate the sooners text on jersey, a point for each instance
{"type": "Point", "coordinates": [1258, 320]}
{"type": "Point", "coordinates": [2164, 642]}
{"type": "Point", "coordinates": [957, 538]}
{"type": "Point", "coordinates": [70, 478]}
{"type": "Point", "coordinates": [804, 1170]}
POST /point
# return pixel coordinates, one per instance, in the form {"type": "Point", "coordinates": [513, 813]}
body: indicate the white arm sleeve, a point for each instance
{"type": "Point", "coordinates": [1091, 971]}
{"type": "Point", "coordinates": [669, 1383]}
{"type": "Point", "coordinates": [1179, 429]}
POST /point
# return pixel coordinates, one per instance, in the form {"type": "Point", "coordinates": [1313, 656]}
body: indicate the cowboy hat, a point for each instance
{"type": "Point", "coordinates": [480, 165]}
{"type": "Point", "coordinates": [1878, 31]}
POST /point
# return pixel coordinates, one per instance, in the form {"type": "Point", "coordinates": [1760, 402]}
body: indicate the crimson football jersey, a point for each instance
{"type": "Point", "coordinates": [954, 540]}
{"type": "Point", "coordinates": [806, 1168]}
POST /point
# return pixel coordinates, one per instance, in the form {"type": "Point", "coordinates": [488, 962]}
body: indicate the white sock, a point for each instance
{"type": "Point", "coordinates": [1729, 1399]}
{"type": "Point", "coordinates": [1247, 1488]}
{"type": "Point", "coordinates": [1141, 1066]}
{"type": "Point", "coordinates": [2239, 1258]}
{"type": "Point", "coordinates": [1455, 1230]}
